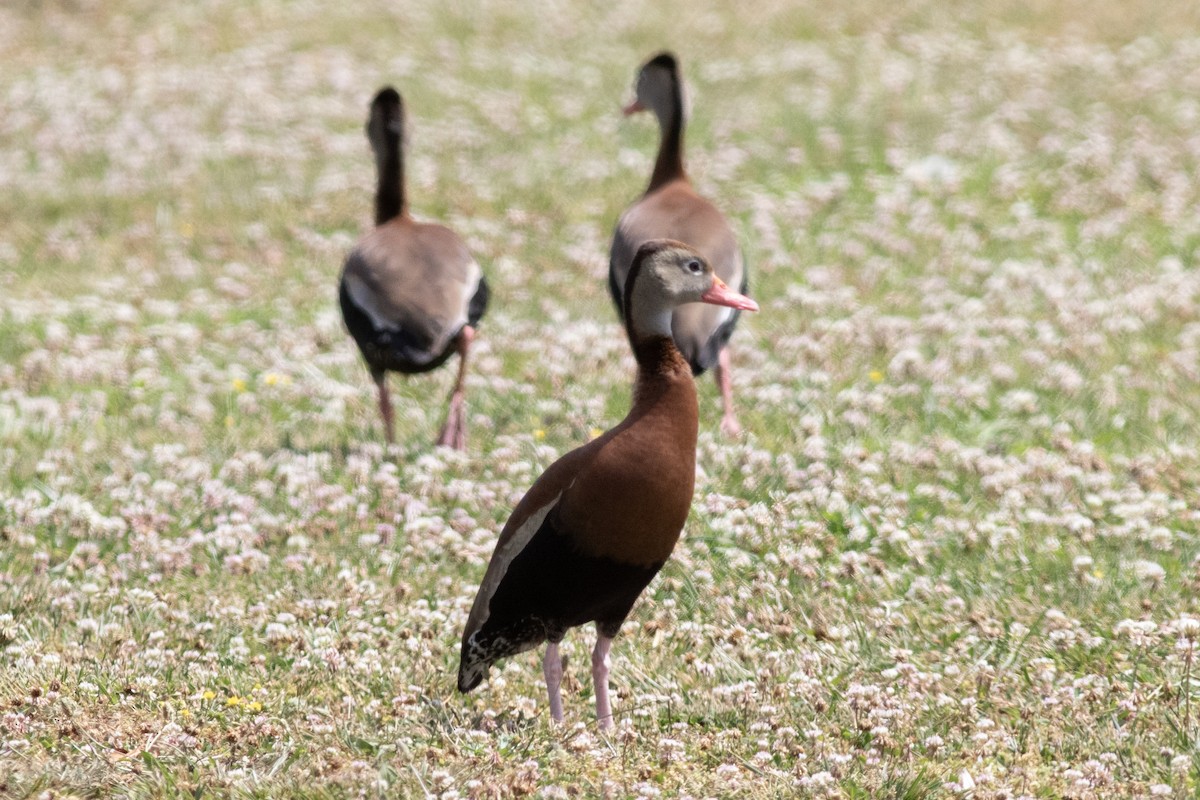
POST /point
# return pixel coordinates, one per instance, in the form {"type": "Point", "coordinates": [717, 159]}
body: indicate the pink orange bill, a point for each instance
{"type": "Point", "coordinates": [722, 295]}
{"type": "Point", "coordinates": [633, 108]}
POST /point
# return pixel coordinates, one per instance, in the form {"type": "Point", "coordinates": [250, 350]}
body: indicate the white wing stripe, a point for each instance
{"type": "Point", "coordinates": [362, 297]}
{"type": "Point", "coordinates": [474, 275]}
{"type": "Point", "coordinates": [504, 556]}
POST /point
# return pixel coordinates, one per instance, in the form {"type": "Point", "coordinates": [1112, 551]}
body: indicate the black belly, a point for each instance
{"type": "Point", "coordinates": [551, 587]}
{"type": "Point", "coordinates": [401, 350]}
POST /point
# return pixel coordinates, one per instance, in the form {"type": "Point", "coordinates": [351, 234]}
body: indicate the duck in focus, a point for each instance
{"type": "Point", "coordinates": [597, 526]}
{"type": "Point", "coordinates": [671, 208]}
{"type": "Point", "coordinates": [411, 293]}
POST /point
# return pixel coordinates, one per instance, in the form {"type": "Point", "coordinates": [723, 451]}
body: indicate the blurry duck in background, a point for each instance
{"type": "Point", "coordinates": [671, 209]}
{"type": "Point", "coordinates": [411, 293]}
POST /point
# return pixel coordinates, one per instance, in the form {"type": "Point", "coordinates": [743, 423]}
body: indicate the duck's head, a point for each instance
{"type": "Point", "coordinates": [666, 274]}
{"type": "Point", "coordinates": [385, 126]}
{"type": "Point", "coordinates": [658, 88]}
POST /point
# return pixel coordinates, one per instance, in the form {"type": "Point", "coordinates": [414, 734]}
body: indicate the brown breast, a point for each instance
{"type": "Point", "coordinates": [629, 502]}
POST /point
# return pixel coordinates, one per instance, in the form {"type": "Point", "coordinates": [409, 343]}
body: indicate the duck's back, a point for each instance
{"type": "Point", "coordinates": [413, 282]}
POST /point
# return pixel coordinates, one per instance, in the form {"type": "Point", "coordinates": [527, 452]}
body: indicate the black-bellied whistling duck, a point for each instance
{"type": "Point", "coordinates": [411, 293]}
{"type": "Point", "coordinates": [598, 524]}
{"type": "Point", "coordinates": [672, 209]}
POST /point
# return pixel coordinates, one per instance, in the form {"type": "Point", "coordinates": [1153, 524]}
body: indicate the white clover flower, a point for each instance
{"type": "Point", "coordinates": [1160, 538]}
{"type": "Point", "coordinates": [1141, 633]}
{"type": "Point", "coordinates": [966, 784]}
{"type": "Point", "coordinates": [729, 772]}
{"type": "Point", "coordinates": [1149, 571]}
{"type": "Point", "coordinates": [1187, 627]}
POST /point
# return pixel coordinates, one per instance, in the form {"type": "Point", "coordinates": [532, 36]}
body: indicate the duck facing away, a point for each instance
{"type": "Point", "coordinates": [596, 527]}
{"type": "Point", "coordinates": [411, 293]}
{"type": "Point", "coordinates": [671, 208]}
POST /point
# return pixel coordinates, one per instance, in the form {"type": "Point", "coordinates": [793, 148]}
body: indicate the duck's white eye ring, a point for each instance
{"type": "Point", "coordinates": [694, 267]}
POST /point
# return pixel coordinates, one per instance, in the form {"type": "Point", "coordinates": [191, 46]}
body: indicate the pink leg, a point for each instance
{"type": "Point", "coordinates": [723, 374]}
{"type": "Point", "coordinates": [600, 680]}
{"type": "Point", "coordinates": [454, 432]}
{"type": "Point", "coordinates": [552, 669]}
{"type": "Point", "coordinates": [385, 407]}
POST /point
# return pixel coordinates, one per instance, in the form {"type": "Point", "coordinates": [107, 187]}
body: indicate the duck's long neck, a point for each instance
{"type": "Point", "coordinates": [658, 358]}
{"type": "Point", "coordinates": [669, 164]}
{"type": "Point", "coordinates": [661, 367]}
{"type": "Point", "coordinates": [664, 396]}
{"type": "Point", "coordinates": [390, 201]}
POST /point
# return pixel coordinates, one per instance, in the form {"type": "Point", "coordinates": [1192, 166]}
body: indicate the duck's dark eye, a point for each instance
{"type": "Point", "coordinates": [694, 267]}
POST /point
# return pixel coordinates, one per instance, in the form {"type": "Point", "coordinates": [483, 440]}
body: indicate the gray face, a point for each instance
{"type": "Point", "coordinates": [678, 275]}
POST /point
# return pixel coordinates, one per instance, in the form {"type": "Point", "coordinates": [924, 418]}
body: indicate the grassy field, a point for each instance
{"type": "Point", "coordinates": [954, 555]}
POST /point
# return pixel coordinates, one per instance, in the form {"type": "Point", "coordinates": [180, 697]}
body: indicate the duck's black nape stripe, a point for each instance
{"type": "Point", "coordinates": [635, 270]}
{"type": "Point", "coordinates": [387, 113]}
{"type": "Point", "coordinates": [668, 165]}
{"type": "Point", "coordinates": [664, 59]}
{"type": "Point", "coordinates": [618, 296]}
